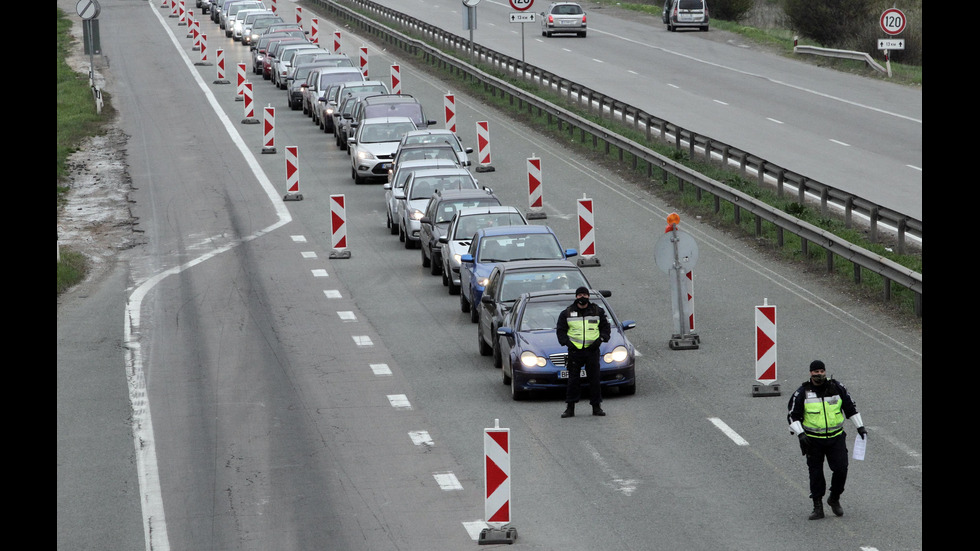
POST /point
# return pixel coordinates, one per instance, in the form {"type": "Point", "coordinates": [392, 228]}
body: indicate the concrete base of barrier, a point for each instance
{"type": "Point", "coordinates": [536, 215]}
{"type": "Point", "coordinates": [204, 64]}
{"type": "Point", "coordinates": [221, 81]}
{"type": "Point", "coordinates": [340, 254]}
{"type": "Point", "coordinates": [293, 197]}
{"type": "Point", "coordinates": [685, 342]}
{"type": "Point", "coordinates": [268, 150]}
{"type": "Point", "coordinates": [760, 389]}
{"type": "Point", "coordinates": [250, 120]}
{"type": "Point", "coordinates": [584, 261]}
{"type": "Point", "coordinates": [484, 168]}
{"type": "Point", "coordinates": [494, 536]}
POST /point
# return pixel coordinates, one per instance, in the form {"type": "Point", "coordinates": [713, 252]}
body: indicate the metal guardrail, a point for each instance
{"type": "Point", "coordinates": [840, 54]}
{"type": "Point", "coordinates": [860, 258]}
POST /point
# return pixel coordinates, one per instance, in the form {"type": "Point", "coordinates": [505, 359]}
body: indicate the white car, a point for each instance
{"type": "Point", "coordinates": [244, 20]}
{"type": "Point", "coordinates": [465, 223]}
{"type": "Point", "coordinates": [419, 187]}
{"type": "Point", "coordinates": [395, 188]}
{"type": "Point", "coordinates": [373, 145]}
{"type": "Point", "coordinates": [284, 61]}
{"type": "Point", "coordinates": [439, 135]}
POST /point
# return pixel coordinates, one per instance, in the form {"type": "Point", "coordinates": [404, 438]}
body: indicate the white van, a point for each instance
{"type": "Point", "coordinates": [685, 13]}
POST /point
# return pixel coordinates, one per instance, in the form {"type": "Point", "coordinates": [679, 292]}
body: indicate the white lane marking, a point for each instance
{"type": "Point", "coordinates": [447, 481]}
{"type": "Point", "coordinates": [298, 238]}
{"type": "Point", "coordinates": [331, 293]}
{"type": "Point", "coordinates": [346, 315]}
{"type": "Point", "coordinates": [399, 401]}
{"type": "Point", "coordinates": [774, 120]}
{"type": "Point", "coordinates": [381, 369]}
{"type": "Point", "coordinates": [728, 431]}
{"type": "Point", "coordinates": [362, 340]}
{"type": "Point", "coordinates": [719, 101]}
{"type": "Point", "coordinates": [625, 485]}
{"type": "Point", "coordinates": [838, 142]}
{"type": "Point", "coordinates": [320, 272]}
{"type": "Point", "coordinates": [308, 254]}
{"type": "Point", "coordinates": [421, 438]}
{"type": "Point", "coordinates": [474, 527]}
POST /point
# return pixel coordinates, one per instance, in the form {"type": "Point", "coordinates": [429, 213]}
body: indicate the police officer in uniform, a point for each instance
{"type": "Point", "coordinates": [816, 415]}
{"type": "Point", "coordinates": [582, 327]}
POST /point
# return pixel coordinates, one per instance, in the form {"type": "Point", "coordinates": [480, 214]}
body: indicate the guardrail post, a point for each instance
{"type": "Point", "coordinates": [901, 235]}
{"type": "Point", "coordinates": [873, 215]}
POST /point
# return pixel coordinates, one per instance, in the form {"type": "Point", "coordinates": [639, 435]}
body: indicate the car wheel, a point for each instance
{"type": "Point", "coordinates": [445, 277]}
{"type": "Point", "coordinates": [474, 315]}
{"type": "Point", "coordinates": [453, 288]}
{"type": "Point", "coordinates": [393, 228]}
{"type": "Point", "coordinates": [516, 393]}
{"type": "Point", "coordinates": [426, 263]}
{"type": "Point", "coordinates": [436, 267]}
{"type": "Point", "coordinates": [506, 377]}
{"type": "Point", "coordinates": [464, 304]}
{"type": "Point", "coordinates": [497, 361]}
{"type": "Point", "coordinates": [485, 350]}
{"type": "Point", "coordinates": [409, 244]}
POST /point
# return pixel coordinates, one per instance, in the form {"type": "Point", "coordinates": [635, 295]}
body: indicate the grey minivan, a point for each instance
{"type": "Point", "coordinates": [685, 13]}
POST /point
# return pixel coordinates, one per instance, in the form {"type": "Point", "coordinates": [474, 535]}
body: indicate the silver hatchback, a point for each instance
{"type": "Point", "coordinates": [685, 13]}
{"type": "Point", "coordinates": [563, 17]}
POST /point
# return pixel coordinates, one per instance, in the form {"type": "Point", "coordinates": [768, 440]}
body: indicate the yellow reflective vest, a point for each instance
{"type": "Point", "coordinates": [823, 417]}
{"type": "Point", "coordinates": [582, 330]}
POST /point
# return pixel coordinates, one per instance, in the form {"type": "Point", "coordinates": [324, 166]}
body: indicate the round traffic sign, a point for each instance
{"type": "Point", "coordinates": [88, 9]}
{"type": "Point", "coordinates": [893, 21]}
{"type": "Point", "coordinates": [521, 5]}
{"type": "Point", "coordinates": [685, 256]}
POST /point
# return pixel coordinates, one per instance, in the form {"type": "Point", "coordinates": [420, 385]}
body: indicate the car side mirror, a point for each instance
{"type": "Point", "coordinates": [570, 253]}
{"type": "Point", "coordinates": [486, 300]}
{"type": "Point", "coordinates": [466, 258]}
{"type": "Point", "coordinates": [425, 220]}
{"type": "Point", "coordinates": [628, 324]}
{"type": "Point", "coordinates": [606, 293]}
{"type": "Point", "coordinates": [444, 239]}
{"type": "Point", "coordinates": [505, 331]}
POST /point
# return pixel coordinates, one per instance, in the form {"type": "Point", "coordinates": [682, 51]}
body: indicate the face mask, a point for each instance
{"type": "Point", "coordinates": [582, 301]}
{"type": "Point", "coordinates": [818, 379]}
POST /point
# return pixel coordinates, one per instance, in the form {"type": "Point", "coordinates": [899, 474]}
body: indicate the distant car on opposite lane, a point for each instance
{"type": "Point", "coordinates": [564, 17]}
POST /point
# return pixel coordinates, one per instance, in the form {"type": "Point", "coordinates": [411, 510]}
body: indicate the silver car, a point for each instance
{"type": "Point", "coordinates": [373, 145]}
{"type": "Point", "coordinates": [395, 188]}
{"type": "Point", "coordinates": [563, 17]}
{"type": "Point", "coordinates": [439, 135]}
{"type": "Point", "coordinates": [419, 188]}
{"type": "Point", "coordinates": [466, 222]}
{"type": "Point", "coordinates": [685, 13]}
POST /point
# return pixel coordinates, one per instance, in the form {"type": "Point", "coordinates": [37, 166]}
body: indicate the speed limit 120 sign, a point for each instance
{"type": "Point", "coordinates": [893, 21]}
{"type": "Point", "coordinates": [521, 5]}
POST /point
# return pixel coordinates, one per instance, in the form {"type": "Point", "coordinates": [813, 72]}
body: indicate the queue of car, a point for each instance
{"type": "Point", "coordinates": [513, 278]}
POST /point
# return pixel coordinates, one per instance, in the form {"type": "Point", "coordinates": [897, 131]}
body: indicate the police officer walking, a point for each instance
{"type": "Point", "coordinates": [816, 415]}
{"type": "Point", "coordinates": [582, 327]}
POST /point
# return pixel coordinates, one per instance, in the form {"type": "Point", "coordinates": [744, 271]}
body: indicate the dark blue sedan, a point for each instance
{"type": "Point", "coordinates": [531, 358]}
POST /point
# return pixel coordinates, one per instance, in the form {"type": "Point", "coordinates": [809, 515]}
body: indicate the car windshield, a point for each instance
{"type": "Point", "coordinates": [401, 109]}
{"type": "Point", "coordinates": [516, 283]}
{"type": "Point", "coordinates": [468, 225]}
{"type": "Point", "coordinates": [506, 248]}
{"type": "Point", "coordinates": [448, 208]}
{"type": "Point", "coordinates": [433, 139]}
{"type": "Point", "coordinates": [366, 89]}
{"type": "Point", "coordinates": [539, 315]}
{"type": "Point", "coordinates": [423, 187]}
{"type": "Point", "coordinates": [326, 79]}
{"type": "Point", "coordinates": [388, 132]}
{"type": "Point", "coordinates": [422, 153]}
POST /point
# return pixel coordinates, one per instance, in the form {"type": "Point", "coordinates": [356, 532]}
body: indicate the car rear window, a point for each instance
{"type": "Point", "coordinates": [691, 4]}
{"type": "Point", "coordinates": [424, 186]}
{"type": "Point", "coordinates": [468, 225]}
{"type": "Point", "coordinates": [410, 110]}
{"type": "Point", "coordinates": [447, 209]}
{"type": "Point", "coordinates": [326, 79]}
{"type": "Point", "coordinates": [506, 248]}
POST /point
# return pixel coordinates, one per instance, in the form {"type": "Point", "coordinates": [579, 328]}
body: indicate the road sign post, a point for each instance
{"type": "Point", "coordinates": [676, 254]}
{"type": "Point", "coordinates": [892, 22]}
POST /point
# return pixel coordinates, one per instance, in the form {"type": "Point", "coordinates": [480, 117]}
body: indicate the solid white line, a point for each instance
{"type": "Point", "coordinates": [774, 120]}
{"type": "Point", "coordinates": [840, 142]}
{"type": "Point", "coordinates": [728, 431]}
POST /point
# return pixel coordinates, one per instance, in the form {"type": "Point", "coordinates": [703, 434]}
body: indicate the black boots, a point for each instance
{"type": "Point", "coordinates": [834, 502]}
{"type": "Point", "coordinates": [569, 411]}
{"type": "Point", "coordinates": [597, 410]}
{"type": "Point", "coordinates": [817, 509]}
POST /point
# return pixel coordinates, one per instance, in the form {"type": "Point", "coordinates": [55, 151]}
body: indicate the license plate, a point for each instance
{"type": "Point", "coordinates": [563, 374]}
{"type": "Point", "coordinates": [568, 22]}
{"type": "Point", "coordinates": [385, 166]}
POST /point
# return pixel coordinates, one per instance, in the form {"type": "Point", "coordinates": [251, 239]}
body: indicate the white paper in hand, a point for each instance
{"type": "Point", "coordinates": [860, 445]}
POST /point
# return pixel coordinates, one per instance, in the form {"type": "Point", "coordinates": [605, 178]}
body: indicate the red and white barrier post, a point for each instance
{"type": "Point", "coordinates": [269, 130]}
{"type": "Point", "coordinates": [689, 280]}
{"type": "Point", "coordinates": [274, 8]}
{"type": "Point", "coordinates": [364, 61]}
{"type": "Point", "coordinates": [220, 79]}
{"type": "Point", "coordinates": [182, 14]}
{"type": "Point", "coordinates": [396, 79]}
{"type": "Point", "coordinates": [496, 461]}
{"type": "Point", "coordinates": [338, 227]}
{"type": "Point", "coordinates": [204, 51]}
{"type": "Point", "coordinates": [483, 147]}
{"type": "Point", "coordinates": [336, 42]}
{"type": "Point", "coordinates": [315, 30]}
{"type": "Point", "coordinates": [765, 351]}
{"type": "Point", "coordinates": [190, 29]}
{"type": "Point", "coordinates": [299, 17]}
{"type": "Point", "coordinates": [240, 89]}
{"type": "Point", "coordinates": [292, 174]}
{"type": "Point", "coordinates": [249, 106]}
{"type": "Point", "coordinates": [535, 193]}
{"type": "Point", "coordinates": [586, 233]}
{"type": "Point", "coordinates": [174, 9]}
{"type": "Point", "coordinates": [449, 104]}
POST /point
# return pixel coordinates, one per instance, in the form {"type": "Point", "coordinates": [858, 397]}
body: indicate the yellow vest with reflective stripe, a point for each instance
{"type": "Point", "coordinates": [823, 417]}
{"type": "Point", "coordinates": [583, 330]}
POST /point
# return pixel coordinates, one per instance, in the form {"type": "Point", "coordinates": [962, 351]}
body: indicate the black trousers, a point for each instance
{"type": "Point", "coordinates": [834, 450]}
{"type": "Point", "coordinates": [574, 363]}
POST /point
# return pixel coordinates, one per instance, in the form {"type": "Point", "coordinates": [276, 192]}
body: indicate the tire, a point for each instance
{"type": "Point", "coordinates": [393, 228]}
{"type": "Point", "coordinates": [464, 305]}
{"type": "Point", "coordinates": [436, 267]}
{"type": "Point", "coordinates": [484, 349]}
{"type": "Point", "coordinates": [497, 360]}
{"type": "Point", "coordinates": [453, 288]}
{"type": "Point", "coordinates": [474, 315]}
{"type": "Point", "coordinates": [445, 276]}
{"type": "Point", "coordinates": [426, 263]}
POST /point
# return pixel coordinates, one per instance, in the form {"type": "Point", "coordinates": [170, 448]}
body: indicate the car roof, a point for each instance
{"type": "Point", "coordinates": [505, 230]}
{"type": "Point", "coordinates": [428, 163]}
{"type": "Point", "coordinates": [390, 98]}
{"type": "Point", "coordinates": [487, 209]}
{"type": "Point", "coordinates": [531, 265]}
{"type": "Point", "coordinates": [384, 120]}
{"type": "Point", "coordinates": [453, 194]}
{"type": "Point", "coordinates": [448, 171]}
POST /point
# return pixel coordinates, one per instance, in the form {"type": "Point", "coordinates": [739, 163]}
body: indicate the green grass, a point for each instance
{"type": "Point", "coordinates": [77, 120]}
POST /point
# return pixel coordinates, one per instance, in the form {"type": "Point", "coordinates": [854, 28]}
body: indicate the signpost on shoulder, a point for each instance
{"type": "Point", "coordinates": [522, 15]}
{"type": "Point", "coordinates": [892, 23]}
{"type": "Point", "coordinates": [469, 20]}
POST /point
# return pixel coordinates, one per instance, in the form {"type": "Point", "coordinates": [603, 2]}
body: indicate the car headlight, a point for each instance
{"type": "Point", "coordinates": [365, 155]}
{"type": "Point", "coordinates": [416, 214]}
{"type": "Point", "coordinates": [482, 281]}
{"type": "Point", "coordinates": [456, 258]}
{"type": "Point", "coordinates": [616, 355]}
{"type": "Point", "coordinates": [530, 359]}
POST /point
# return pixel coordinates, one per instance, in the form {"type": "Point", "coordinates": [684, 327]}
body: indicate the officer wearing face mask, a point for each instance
{"type": "Point", "coordinates": [816, 415]}
{"type": "Point", "coordinates": [582, 327]}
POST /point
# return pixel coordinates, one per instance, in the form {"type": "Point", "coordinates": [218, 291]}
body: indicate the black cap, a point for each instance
{"type": "Point", "coordinates": [817, 364]}
{"type": "Point", "coordinates": [582, 291]}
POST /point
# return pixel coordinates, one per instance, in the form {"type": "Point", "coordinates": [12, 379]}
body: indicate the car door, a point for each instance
{"type": "Point", "coordinates": [488, 311]}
